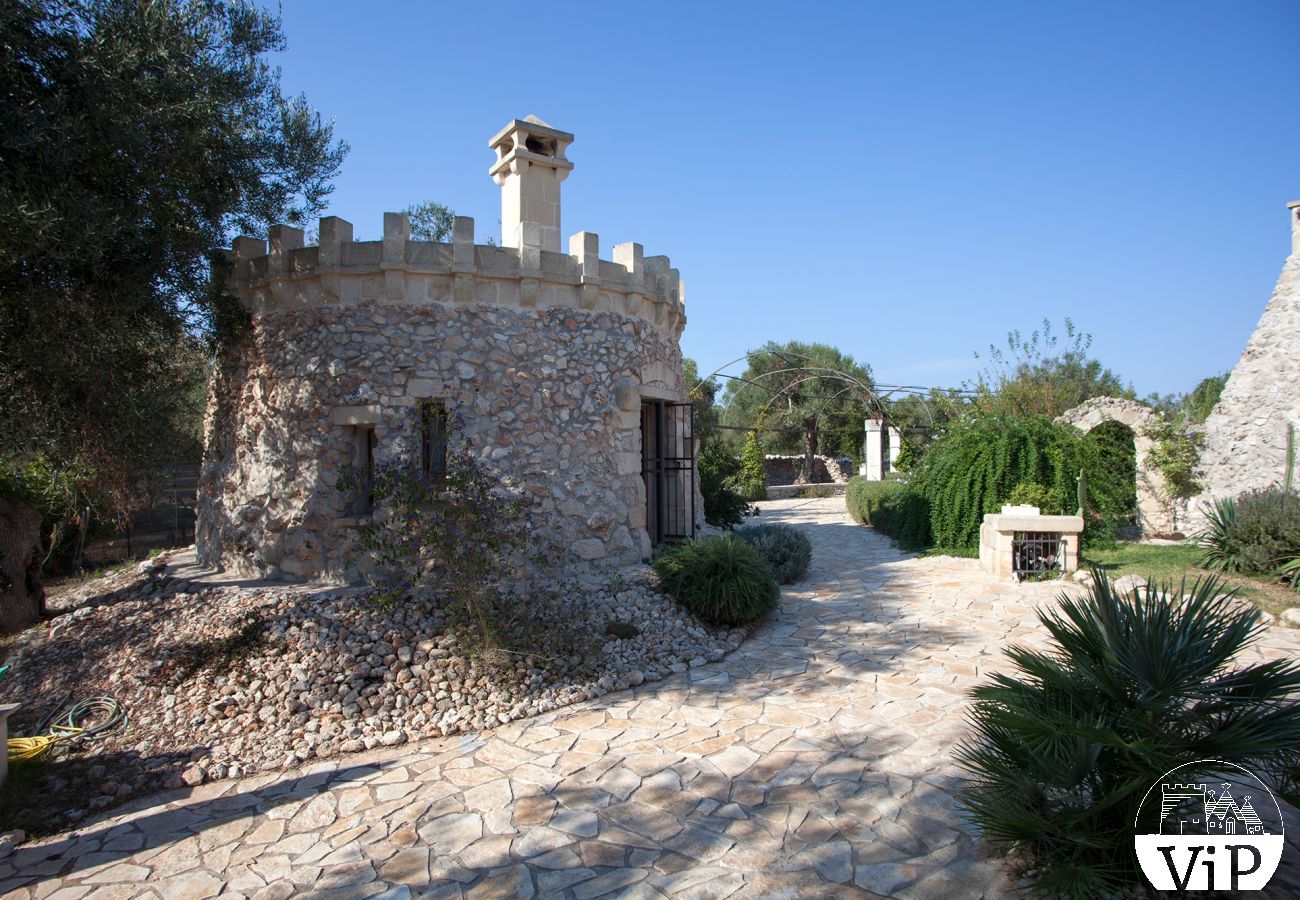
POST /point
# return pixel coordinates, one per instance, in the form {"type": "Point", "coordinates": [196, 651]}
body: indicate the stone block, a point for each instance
{"type": "Point", "coordinates": [397, 232]}
{"type": "Point", "coordinates": [631, 256]}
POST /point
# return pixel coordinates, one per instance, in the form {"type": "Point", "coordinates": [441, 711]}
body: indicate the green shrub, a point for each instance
{"type": "Point", "coordinates": [718, 470]}
{"type": "Point", "coordinates": [722, 580]}
{"type": "Point", "coordinates": [972, 469]}
{"type": "Point", "coordinates": [785, 548]}
{"type": "Point", "coordinates": [1030, 493]}
{"type": "Point", "coordinates": [753, 470]}
{"type": "Point", "coordinates": [895, 508]}
{"type": "Point", "coordinates": [1255, 534]}
{"type": "Point", "coordinates": [904, 515]}
{"type": "Point", "coordinates": [862, 497]}
{"type": "Point", "coordinates": [1066, 744]}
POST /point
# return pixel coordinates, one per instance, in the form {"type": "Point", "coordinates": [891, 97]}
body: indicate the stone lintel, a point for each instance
{"type": "Point", "coordinates": [357, 415]}
{"type": "Point", "coordinates": [1057, 524]}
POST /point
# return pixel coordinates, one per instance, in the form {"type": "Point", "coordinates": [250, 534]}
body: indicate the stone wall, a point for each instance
{"type": "Point", "coordinates": [545, 356]}
{"type": "Point", "coordinates": [789, 469]}
{"type": "Point", "coordinates": [1244, 438]}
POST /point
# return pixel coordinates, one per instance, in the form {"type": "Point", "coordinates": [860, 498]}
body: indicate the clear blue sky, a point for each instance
{"type": "Point", "coordinates": [907, 181]}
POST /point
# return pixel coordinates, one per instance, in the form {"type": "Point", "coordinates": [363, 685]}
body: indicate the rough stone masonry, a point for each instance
{"type": "Point", "coordinates": [549, 358]}
{"type": "Point", "coordinates": [1245, 437]}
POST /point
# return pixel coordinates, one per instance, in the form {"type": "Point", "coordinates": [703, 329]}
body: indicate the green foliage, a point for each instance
{"type": "Point", "coordinates": [908, 457]}
{"type": "Point", "coordinates": [1218, 540]}
{"type": "Point", "coordinates": [1039, 376]}
{"type": "Point", "coordinates": [430, 221]}
{"type": "Point", "coordinates": [137, 137]}
{"type": "Point", "coordinates": [816, 393]}
{"type": "Point", "coordinates": [1173, 454]}
{"type": "Point", "coordinates": [753, 470]}
{"type": "Point", "coordinates": [1031, 493]}
{"type": "Point", "coordinates": [1288, 480]}
{"type": "Point", "coordinates": [973, 469]}
{"type": "Point", "coordinates": [905, 516]}
{"type": "Point", "coordinates": [862, 497]}
{"type": "Point", "coordinates": [723, 580]}
{"type": "Point", "coordinates": [1258, 533]}
{"type": "Point", "coordinates": [1117, 461]}
{"type": "Point", "coordinates": [1197, 406]}
{"type": "Point", "coordinates": [895, 508]}
{"type": "Point", "coordinates": [786, 549]}
{"type": "Point", "coordinates": [1068, 742]}
{"type": "Point", "coordinates": [703, 394]}
{"type": "Point", "coordinates": [718, 471]}
{"type": "Point", "coordinates": [475, 546]}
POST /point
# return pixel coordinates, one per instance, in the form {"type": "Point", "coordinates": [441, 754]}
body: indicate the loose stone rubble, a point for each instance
{"type": "Point", "coordinates": [814, 761]}
{"type": "Point", "coordinates": [324, 672]}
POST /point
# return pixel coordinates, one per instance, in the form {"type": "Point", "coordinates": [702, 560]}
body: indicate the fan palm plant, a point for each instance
{"type": "Point", "coordinates": [1218, 539]}
{"type": "Point", "coordinates": [1066, 744]}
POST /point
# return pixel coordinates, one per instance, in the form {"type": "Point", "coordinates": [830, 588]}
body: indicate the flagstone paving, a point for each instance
{"type": "Point", "coordinates": [816, 760]}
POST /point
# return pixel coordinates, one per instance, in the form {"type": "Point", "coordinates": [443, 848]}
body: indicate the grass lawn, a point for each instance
{"type": "Point", "coordinates": [1173, 562]}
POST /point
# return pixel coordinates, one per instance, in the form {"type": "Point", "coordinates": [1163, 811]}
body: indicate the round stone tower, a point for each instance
{"type": "Point", "coordinates": [564, 368]}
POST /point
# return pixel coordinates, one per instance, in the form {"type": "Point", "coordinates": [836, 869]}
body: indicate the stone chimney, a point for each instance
{"type": "Point", "coordinates": [529, 168]}
{"type": "Point", "coordinates": [1294, 208]}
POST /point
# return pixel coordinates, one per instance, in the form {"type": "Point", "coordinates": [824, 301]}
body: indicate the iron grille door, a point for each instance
{"type": "Point", "coordinates": [668, 467]}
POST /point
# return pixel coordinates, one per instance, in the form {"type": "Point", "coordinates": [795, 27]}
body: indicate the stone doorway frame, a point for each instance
{"type": "Point", "coordinates": [1155, 513]}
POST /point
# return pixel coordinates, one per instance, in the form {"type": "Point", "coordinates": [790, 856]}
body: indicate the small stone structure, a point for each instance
{"type": "Point", "coordinates": [1021, 541]}
{"type": "Point", "coordinates": [880, 449]}
{"type": "Point", "coordinates": [564, 367]}
{"type": "Point", "coordinates": [1244, 443]}
{"type": "Point", "coordinates": [1156, 506]}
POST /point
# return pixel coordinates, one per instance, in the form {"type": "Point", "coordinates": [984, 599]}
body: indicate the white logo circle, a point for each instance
{"type": "Point", "coordinates": [1216, 827]}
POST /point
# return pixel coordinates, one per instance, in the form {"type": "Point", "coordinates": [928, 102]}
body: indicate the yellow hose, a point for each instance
{"type": "Point", "coordinates": [31, 749]}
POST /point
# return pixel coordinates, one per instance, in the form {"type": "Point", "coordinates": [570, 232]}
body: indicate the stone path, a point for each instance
{"type": "Point", "coordinates": [813, 761]}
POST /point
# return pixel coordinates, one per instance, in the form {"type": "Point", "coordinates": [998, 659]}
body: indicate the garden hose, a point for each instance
{"type": "Point", "coordinates": [106, 710]}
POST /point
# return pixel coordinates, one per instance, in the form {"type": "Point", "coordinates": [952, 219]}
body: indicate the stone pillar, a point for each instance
{"type": "Point", "coordinates": [6, 710]}
{"type": "Point", "coordinates": [873, 451]}
{"type": "Point", "coordinates": [530, 167]}
{"type": "Point", "coordinates": [895, 447]}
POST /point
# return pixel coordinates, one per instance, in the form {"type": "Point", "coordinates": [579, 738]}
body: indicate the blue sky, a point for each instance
{"type": "Point", "coordinates": [907, 181]}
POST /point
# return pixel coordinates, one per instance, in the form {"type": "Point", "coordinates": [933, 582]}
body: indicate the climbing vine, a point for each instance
{"type": "Point", "coordinates": [1174, 455]}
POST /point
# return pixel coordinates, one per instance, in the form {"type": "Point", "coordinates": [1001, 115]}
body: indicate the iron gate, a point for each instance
{"type": "Point", "coordinates": [668, 467]}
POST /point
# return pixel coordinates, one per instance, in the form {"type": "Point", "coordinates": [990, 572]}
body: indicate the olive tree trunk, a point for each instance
{"type": "Point", "coordinates": [809, 449]}
{"type": "Point", "coordinates": [22, 594]}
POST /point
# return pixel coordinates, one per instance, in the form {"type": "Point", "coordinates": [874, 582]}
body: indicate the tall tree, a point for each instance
{"type": "Point", "coordinates": [138, 135]}
{"type": "Point", "coordinates": [430, 221]}
{"type": "Point", "coordinates": [815, 395]}
{"type": "Point", "coordinates": [1041, 375]}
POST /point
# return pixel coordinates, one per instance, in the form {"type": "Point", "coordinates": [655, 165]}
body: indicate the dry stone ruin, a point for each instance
{"type": "Point", "coordinates": [1156, 505]}
{"type": "Point", "coordinates": [1245, 437]}
{"type": "Point", "coordinates": [564, 367]}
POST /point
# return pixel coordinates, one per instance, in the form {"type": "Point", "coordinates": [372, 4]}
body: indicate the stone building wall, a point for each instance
{"type": "Point", "coordinates": [1244, 440]}
{"type": "Point", "coordinates": [546, 356]}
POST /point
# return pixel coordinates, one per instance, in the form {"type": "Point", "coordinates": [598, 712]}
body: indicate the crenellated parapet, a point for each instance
{"type": "Point", "coordinates": [284, 273]}
{"type": "Point", "coordinates": [563, 372]}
